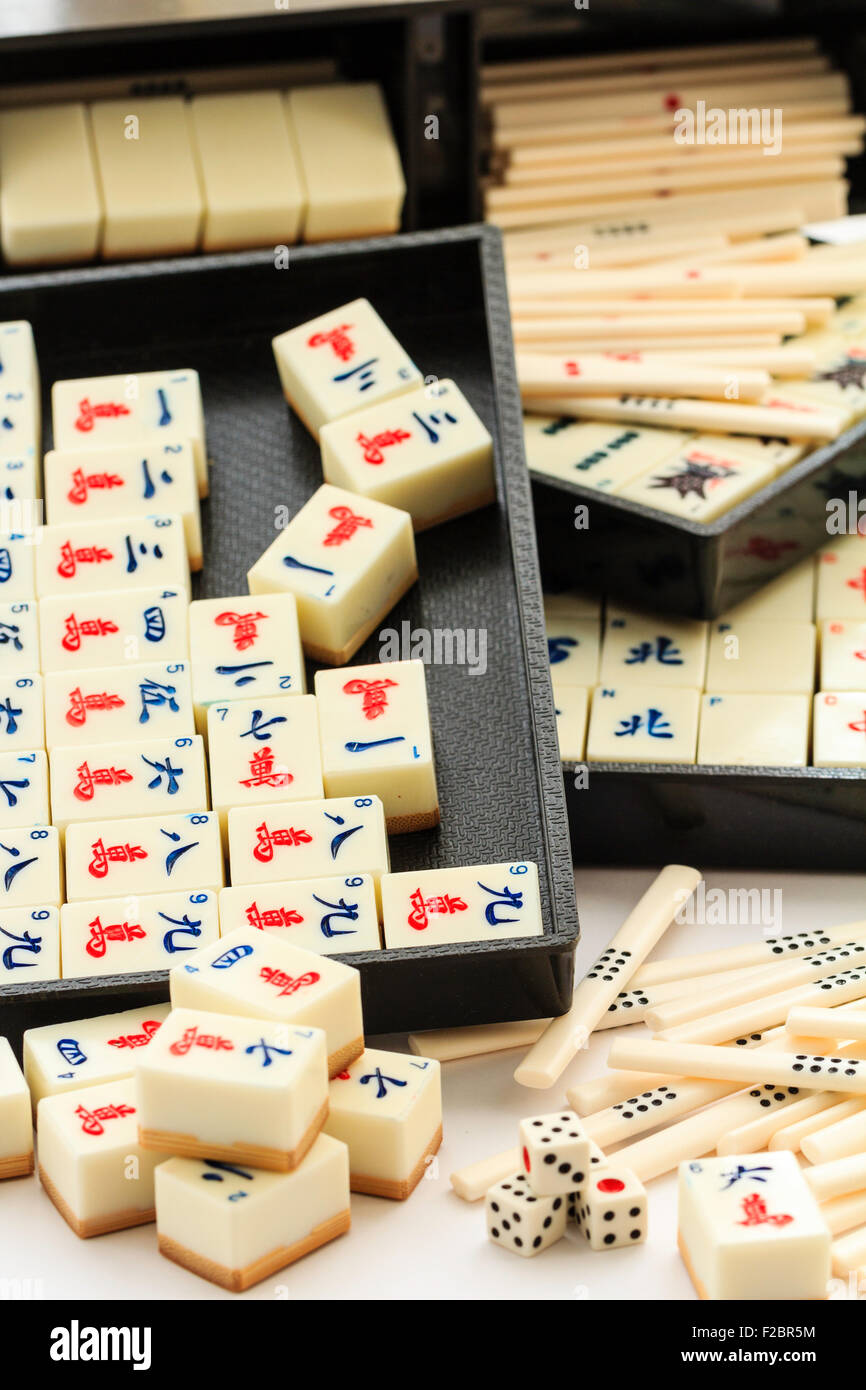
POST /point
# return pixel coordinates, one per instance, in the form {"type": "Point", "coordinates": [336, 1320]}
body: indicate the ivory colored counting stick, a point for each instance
{"type": "Point", "coordinates": [847, 1075]}
{"type": "Point", "coordinates": [621, 1123]}
{"type": "Point", "coordinates": [446, 1044]}
{"type": "Point", "coordinates": [843, 1213]}
{"type": "Point", "coordinates": [848, 1255]}
{"type": "Point", "coordinates": [773, 948]}
{"type": "Point", "coordinates": [472, 1182]}
{"type": "Point", "coordinates": [792, 1136]}
{"type": "Point", "coordinates": [584, 374]}
{"type": "Point", "coordinates": [642, 929]}
{"type": "Point", "coordinates": [636, 1005]}
{"type": "Point", "coordinates": [751, 1138]}
{"type": "Point", "coordinates": [840, 1140]}
{"type": "Point", "coordinates": [838, 1178]}
{"type": "Point", "coordinates": [771, 1010]}
{"type": "Point", "coordinates": [826, 1023]}
{"type": "Point", "coordinates": [715, 417]}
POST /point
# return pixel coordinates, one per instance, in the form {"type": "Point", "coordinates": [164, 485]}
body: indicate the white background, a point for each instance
{"type": "Point", "coordinates": [434, 1245]}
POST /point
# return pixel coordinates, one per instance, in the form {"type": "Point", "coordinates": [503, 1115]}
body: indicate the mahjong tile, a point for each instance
{"type": "Point", "coordinates": [137, 408]}
{"type": "Point", "coordinates": [839, 729]}
{"type": "Point", "coordinates": [478, 902]}
{"type": "Point", "coordinates": [425, 451]}
{"type": "Point", "coordinates": [18, 363]}
{"type": "Point", "coordinates": [31, 872]}
{"type": "Point", "coordinates": [22, 717]}
{"type": "Point", "coordinates": [572, 604]}
{"type": "Point", "coordinates": [347, 562]}
{"type": "Point", "coordinates": [306, 839]}
{"type": "Point", "coordinates": [387, 1108]}
{"type": "Point", "coordinates": [265, 750]}
{"type": "Point", "coordinates": [16, 1121]}
{"type": "Point", "coordinates": [24, 789]}
{"type": "Point", "coordinates": [102, 780]}
{"type": "Point", "coordinates": [88, 1152]}
{"type": "Point", "coordinates": [20, 421]}
{"type": "Point", "coordinates": [29, 942]}
{"type": "Point", "coordinates": [151, 854]}
{"type": "Point", "coordinates": [243, 1090]}
{"type": "Point", "coordinates": [118, 936]}
{"type": "Point", "coordinates": [842, 654]}
{"type": "Point", "coordinates": [758, 657]}
{"type": "Point", "coordinates": [779, 453]}
{"type": "Point", "coordinates": [126, 480]}
{"type": "Point", "coordinates": [332, 916]}
{"type": "Point", "coordinates": [750, 1228]}
{"type": "Point", "coordinates": [341, 362]}
{"type": "Point", "coordinates": [643, 724]}
{"type": "Point", "coordinates": [754, 730]}
{"type": "Point", "coordinates": [236, 1225]}
{"type": "Point", "coordinates": [19, 637]}
{"type": "Point", "coordinates": [97, 630]}
{"type": "Point", "coordinates": [240, 649]}
{"type": "Point", "coordinates": [374, 725]}
{"type": "Point", "coordinates": [118, 704]}
{"type": "Point", "coordinates": [838, 385]}
{"type": "Point", "coordinates": [117, 554]}
{"type": "Point", "coordinates": [815, 400]}
{"type": "Point", "coordinates": [18, 563]}
{"type": "Point", "coordinates": [573, 649]}
{"type": "Point", "coordinates": [841, 579]}
{"type": "Point", "coordinates": [699, 484]}
{"type": "Point", "coordinates": [571, 706]}
{"type": "Point", "coordinates": [252, 974]}
{"type": "Point", "coordinates": [640, 649]}
{"type": "Point", "coordinates": [604, 456]}
{"type": "Point", "coordinates": [19, 482]}
{"type": "Point", "coordinates": [789, 598]}
{"type": "Point", "coordinates": [87, 1051]}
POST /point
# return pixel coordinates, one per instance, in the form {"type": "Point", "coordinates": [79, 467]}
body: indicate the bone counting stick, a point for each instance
{"type": "Point", "coordinates": [827, 1023]}
{"type": "Point", "coordinates": [773, 948]}
{"type": "Point", "coordinates": [844, 1074]}
{"type": "Point", "coordinates": [642, 929]}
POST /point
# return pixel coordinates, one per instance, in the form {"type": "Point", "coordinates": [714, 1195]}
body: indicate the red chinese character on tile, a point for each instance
{"type": "Point", "coordinates": [102, 410]}
{"type": "Point", "coordinates": [375, 700]}
{"type": "Point", "coordinates": [348, 522]}
{"type": "Point", "coordinates": [245, 627]}
{"type": "Point", "coordinates": [337, 339]}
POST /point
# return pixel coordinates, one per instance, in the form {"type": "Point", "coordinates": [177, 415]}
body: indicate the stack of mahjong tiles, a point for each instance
{"type": "Point", "coordinates": [250, 1108]}
{"type": "Point", "coordinates": [777, 681]}
{"type": "Point", "coordinates": [755, 1064]}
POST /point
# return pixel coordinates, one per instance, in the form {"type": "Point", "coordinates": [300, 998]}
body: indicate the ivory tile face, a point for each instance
{"type": "Point", "coordinates": [839, 729]}
{"type": "Point", "coordinates": [332, 916]}
{"type": "Point", "coordinates": [150, 854]}
{"type": "Point", "coordinates": [375, 733]}
{"type": "Point", "coordinates": [118, 704]}
{"type": "Point", "coordinates": [90, 631]}
{"type": "Point", "coordinates": [86, 1141]}
{"type": "Point", "coordinates": [24, 789]}
{"type": "Point", "coordinates": [262, 751]}
{"type": "Point", "coordinates": [235, 1225]}
{"type": "Point", "coordinates": [31, 871]}
{"type": "Point", "coordinates": [240, 649]}
{"type": "Point", "coordinates": [252, 974]}
{"type": "Point", "coordinates": [50, 205]}
{"type": "Point", "coordinates": [790, 598]}
{"type": "Point", "coordinates": [126, 480]}
{"type": "Point", "coordinates": [573, 649]}
{"type": "Point", "coordinates": [387, 1108]}
{"type": "Point", "coordinates": [29, 944]}
{"type": "Point", "coordinates": [22, 717]}
{"type": "Point", "coordinates": [117, 554]}
{"type": "Point", "coordinates": [750, 1228]}
{"type": "Point", "coordinates": [843, 654]}
{"type": "Point", "coordinates": [520, 1221]}
{"type": "Point", "coordinates": [754, 730]}
{"type": "Point", "coordinates": [571, 703]}
{"type": "Point", "coordinates": [779, 453]}
{"type": "Point", "coordinates": [341, 362]}
{"type": "Point", "coordinates": [18, 564]}
{"type": "Point", "coordinates": [347, 562]}
{"type": "Point", "coordinates": [643, 724]}
{"type": "Point", "coordinates": [761, 657]}
{"type": "Point", "coordinates": [245, 1090]}
{"type": "Point", "coordinates": [140, 408]}
{"type": "Point", "coordinates": [16, 1121]}
{"type": "Point", "coordinates": [100, 781]}
{"type": "Point", "coordinates": [307, 839]}
{"type": "Point", "coordinates": [20, 483]}
{"type": "Point", "coordinates": [21, 421]}
{"type": "Point", "coordinates": [603, 456]}
{"type": "Point", "coordinates": [17, 349]}
{"type": "Point", "coordinates": [841, 580]}
{"type": "Point", "coordinates": [639, 649]}
{"type": "Point", "coordinates": [425, 452]}
{"type": "Point", "coordinates": [19, 637]}
{"type": "Point", "coordinates": [484, 902]}
{"type": "Point", "coordinates": [118, 936]}
{"type": "Point", "coordinates": [85, 1052]}
{"type": "Point", "coordinates": [699, 483]}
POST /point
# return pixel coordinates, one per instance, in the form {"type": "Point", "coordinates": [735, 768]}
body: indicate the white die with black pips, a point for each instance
{"type": "Point", "coordinates": [612, 1209]}
{"type": "Point", "coordinates": [555, 1152]}
{"type": "Point", "coordinates": [521, 1221]}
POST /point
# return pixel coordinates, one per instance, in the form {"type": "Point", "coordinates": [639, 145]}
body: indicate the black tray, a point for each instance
{"type": "Point", "coordinates": [500, 784]}
{"type": "Point", "coordinates": [666, 564]}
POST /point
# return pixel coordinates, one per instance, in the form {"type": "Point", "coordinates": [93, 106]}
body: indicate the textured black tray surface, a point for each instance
{"type": "Point", "coordinates": [494, 733]}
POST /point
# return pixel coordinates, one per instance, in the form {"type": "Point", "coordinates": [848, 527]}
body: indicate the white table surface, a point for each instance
{"type": "Point", "coordinates": [434, 1245]}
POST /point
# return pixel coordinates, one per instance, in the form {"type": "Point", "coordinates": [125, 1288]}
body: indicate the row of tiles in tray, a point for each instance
{"type": "Point", "coordinates": [162, 176]}
{"type": "Point", "coordinates": [656, 724]}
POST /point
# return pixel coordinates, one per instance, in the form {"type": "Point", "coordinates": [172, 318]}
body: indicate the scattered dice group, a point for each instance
{"type": "Point", "coordinates": [565, 1177]}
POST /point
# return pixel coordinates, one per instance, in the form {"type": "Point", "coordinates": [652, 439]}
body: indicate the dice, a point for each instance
{"type": "Point", "coordinates": [611, 1209]}
{"type": "Point", "coordinates": [521, 1221]}
{"type": "Point", "coordinates": [555, 1152]}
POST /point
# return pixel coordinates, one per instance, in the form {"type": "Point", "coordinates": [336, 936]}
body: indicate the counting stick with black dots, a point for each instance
{"type": "Point", "coordinates": [827, 992]}
{"type": "Point", "coordinates": [772, 948]}
{"type": "Point", "coordinates": [812, 1071]}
